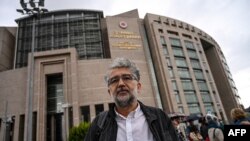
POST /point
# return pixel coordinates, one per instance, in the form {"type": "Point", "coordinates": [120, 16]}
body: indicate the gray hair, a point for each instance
{"type": "Point", "coordinates": [123, 63]}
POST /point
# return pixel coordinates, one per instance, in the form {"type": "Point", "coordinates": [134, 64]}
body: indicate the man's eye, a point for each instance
{"type": "Point", "coordinates": [127, 78]}
{"type": "Point", "coordinates": [114, 80]}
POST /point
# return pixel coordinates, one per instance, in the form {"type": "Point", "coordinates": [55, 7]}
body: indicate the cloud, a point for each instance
{"type": "Point", "coordinates": [227, 21]}
{"type": "Point", "coordinates": [242, 79]}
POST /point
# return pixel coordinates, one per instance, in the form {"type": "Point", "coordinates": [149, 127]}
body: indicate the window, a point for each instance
{"type": "Point", "coordinates": [85, 113]}
{"type": "Point", "coordinates": [206, 97]}
{"type": "Point", "coordinates": [191, 97]}
{"type": "Point", "coordinates": [171, 72]}
{"type": "Point", "coordinates": [168, 62]}
{"type": "Point", "coordinates": [172, 32]}
{"type": "Point", "coordinates": [180, 109]}
{"type": "Point", "coordinates": [187, 85]}
{"type": "Point", "coordinates": [187, 36]}
{"type": "Point", "coordinates": [198, 74]}
{"type": "Point", "coordinates": [189, 45]}
{"type": "Point", "coordinates": [192, 54]}
{"type": "Point", "coordinates": [178, 51]}
{"type": "Point", "coordinates": [160, 30]}
{"type": "Point", "coordinates": [202, 85]}
{"type": "Point", "coordinates": [175, 88]}
{"type": "Point", "coordinates": [55, 96]}
{"type": "Point", "coordinates": [177, 97]}
{"type": "Point", "coordinates": [175, 42]}
{"type": "Point", "coordinates": [164, 45]}
{"type": "Point", "coordinates": [209, 107]}
{"type": "Point", "coordinates": [208, 75]}
{"type": "Point", "coordinates": [181, 62]}
{"type": "Point", "coordinates": [111, 105]}
{"type": "Point", "coordinates": [194, 108]}
{"type": "Point", "coordinates": [157, 21]}
{"type": "Point", "coordinates": [165, 50]}
{"type": "Point", "coordinates": [21, 127]}
{"type": "Point", "coordinates": [99, 108]}
{"type": "Point", "coordinates": [183, 73]}
{"type": "Point", "coordinates": [162, 40]}
{"type": "Point", "coordinates": [195, 64]}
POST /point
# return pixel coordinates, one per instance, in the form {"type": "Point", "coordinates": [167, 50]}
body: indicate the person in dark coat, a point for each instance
{"type": "Point", "coordinates": [203, 127]}
{"type": "Point", "coordinates": [129, 119]}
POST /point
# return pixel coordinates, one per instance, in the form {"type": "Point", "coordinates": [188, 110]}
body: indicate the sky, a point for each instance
{"type": "Point", "coordinates": [227, 21]}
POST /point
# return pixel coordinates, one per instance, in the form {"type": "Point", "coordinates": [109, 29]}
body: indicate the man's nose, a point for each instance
{"type": "Point", "coordinates": [121, 82]}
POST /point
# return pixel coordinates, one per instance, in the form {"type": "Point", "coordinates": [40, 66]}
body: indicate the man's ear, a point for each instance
{"type": "Point", "coordinates": [139, 87]}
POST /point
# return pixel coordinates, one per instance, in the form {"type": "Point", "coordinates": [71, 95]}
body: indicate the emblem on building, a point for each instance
{"type": "Point", "coordinates": [123, 24]}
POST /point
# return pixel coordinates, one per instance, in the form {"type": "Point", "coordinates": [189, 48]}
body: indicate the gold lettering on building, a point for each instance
{"type": "Point", "coordinates": [126, 45]}
{"type": "Point", "coordinates": [125, 34]}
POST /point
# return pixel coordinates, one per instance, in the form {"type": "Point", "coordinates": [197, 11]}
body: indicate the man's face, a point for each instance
{"type": "Point", "coordinates": [123, 87]}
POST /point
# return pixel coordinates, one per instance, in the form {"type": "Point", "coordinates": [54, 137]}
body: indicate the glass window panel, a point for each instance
{"type": "Point", "coordinates": [165, 50]}
{"type": "Point", "coordinates": [99, 108]}
{"type": "Point", "coordinates": [189, 45]}
{"type": "Point", "coordinates": [171, 72]}
{"type": "Point", "coordinates": [55, 97]}
{"type": "Point", "coordinates": [191, 97]}
{"type": "Point", "coordinates": [180, 109]}
{"type": "Point", "coordinates": [195, 64]}
{"type": "Point", "coordinates": [181, 62]}
{"type": "Point", "coordinates": [177, 97]}
{"type": "Point", "coordinates": [175, 88]}
{"type": "Point", "coordinates": [202, 85]}
{"type": "Point", "coordinates": [208, 76]}
{"type": "Point", "coordinates": [187, 85]}
{"type": "Point", "coordinates": [175, 42]}
{"type": "Point", "coordinates": [209, 107]}
{"type": "Point", "coordinates": [183, 73]}
{"type": "Point", "coordinates": [163, 41]}
{"type": "Point", "coordinates": [178, 51]}
{"type": "Point", "coordinates": [111, 105]}
{"type": "Point", "coordinates": [85, 111]}
{"type": "Point", "coordinates": [168, 62]}
{"type": "Point", "coordinates": [194, 108]}
{"type": "Point", "coordinates": [198, 74]}
{"type": "Point", "coordinates": [192, 54]}
{"type": "Point", "coordinates": [206, 97]}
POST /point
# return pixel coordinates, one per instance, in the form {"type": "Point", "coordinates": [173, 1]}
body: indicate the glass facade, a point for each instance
{"type": "Point", "coordinates": [73, 29]}
{"type": "Point", "coordinates": [191, 97]}
{"type": "Point", "coordinates": [194, 108]}
{"type": "Point", "coordinates": [85, 111]}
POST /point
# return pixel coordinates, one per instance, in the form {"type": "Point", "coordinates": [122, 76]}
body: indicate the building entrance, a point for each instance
{"type": "Point", "coordinates": [55, 111]}
{"type": "Point", "coordinates": [54, 127]}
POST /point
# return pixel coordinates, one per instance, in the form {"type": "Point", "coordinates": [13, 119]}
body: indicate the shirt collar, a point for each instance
{"type": "Point", "coordinates": [133, 114]}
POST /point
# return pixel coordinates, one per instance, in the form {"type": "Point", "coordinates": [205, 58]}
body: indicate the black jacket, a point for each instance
{"type": "Point", "coordinates": [159, 124]}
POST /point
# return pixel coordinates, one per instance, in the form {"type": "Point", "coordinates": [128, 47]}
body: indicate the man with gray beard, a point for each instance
{"type": "Point", "coordinates": [129, 119]}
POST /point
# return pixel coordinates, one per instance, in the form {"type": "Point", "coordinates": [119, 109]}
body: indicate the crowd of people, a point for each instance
{"type": "Point", "coordinates": [208, 127]}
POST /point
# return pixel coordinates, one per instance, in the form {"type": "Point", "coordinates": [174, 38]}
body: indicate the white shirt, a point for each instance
{"type": "Point", "coordinates": [134, 127]}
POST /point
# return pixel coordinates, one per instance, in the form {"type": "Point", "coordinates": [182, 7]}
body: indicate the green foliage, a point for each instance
{"type": "Point", "coordinates": [78, 133]}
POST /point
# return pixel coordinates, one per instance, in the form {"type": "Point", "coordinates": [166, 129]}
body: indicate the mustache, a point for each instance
{"type": "Point", "coordinates": [121, 89]}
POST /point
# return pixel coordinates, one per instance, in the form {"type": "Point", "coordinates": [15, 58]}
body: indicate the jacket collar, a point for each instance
{"type": "Point", "coordinates": [147, 112]}
{"type": "Point", "coordinates": [145, 109]}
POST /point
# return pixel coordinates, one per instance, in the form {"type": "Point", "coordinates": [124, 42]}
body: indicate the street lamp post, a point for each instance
{"type": "Point", "coordinates": [34, 10]}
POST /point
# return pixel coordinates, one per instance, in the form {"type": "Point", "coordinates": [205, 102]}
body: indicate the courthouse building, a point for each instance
{"type": "Point", "coordinates": [183, 69]}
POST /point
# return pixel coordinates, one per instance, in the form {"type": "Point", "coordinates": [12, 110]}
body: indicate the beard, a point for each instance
{"type": "Point", "coordinates": [124, 98]}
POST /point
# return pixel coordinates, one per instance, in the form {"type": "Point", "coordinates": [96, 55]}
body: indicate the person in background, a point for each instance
{"type": "Point", "coordinates": [239, 117]}
{"type": "Point", "coordinates": [214, 131]}
{"type": "Point", "coordinates": [176, 123]}
{"type": "Point", "coordinates": [194, 134]}
{"type": "Point", "coordinates": [203, 127]}
{"type": "Point", "coordinates": [129, 119]}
